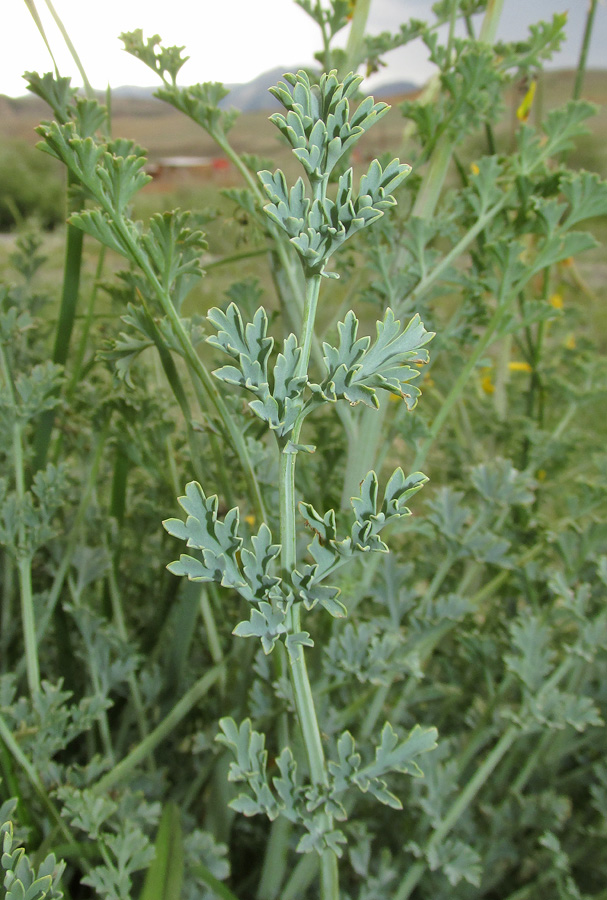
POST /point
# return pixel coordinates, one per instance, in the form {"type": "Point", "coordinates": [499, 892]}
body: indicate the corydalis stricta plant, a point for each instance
{"type": "Point", "coordinates": [278, 585]}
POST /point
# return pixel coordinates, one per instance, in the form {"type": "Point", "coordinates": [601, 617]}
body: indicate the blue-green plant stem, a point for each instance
{"type": "Point", "coordinates": [24, 568]}
{"type": "Point", "coordinates": [356, 37]}
{"type": "Point", "coordinates": [304, 700]}
{"type": "Point", "coordinates": [490, 21]}
{"type": "Point", "coordinates": [456, 810]}
{"type": "Point", "coordinates": [208, 618]}
{"type": "Point", "coordinates": [142, 751]}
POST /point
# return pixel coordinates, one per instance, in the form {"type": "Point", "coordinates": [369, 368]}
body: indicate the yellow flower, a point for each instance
{"type": "Point", "coordinates": [487, 385]}
{"type": "Point", "coordinates": [522, 113]}
{"type": "Point", "coordinates": [519, 366]}
{"type": "Point", "coordinates": [570, 342]}
{"type": "Point", "coordinates": [474, 168]}
{"type": "Point", "coordinates": [250, 520]}
{"type": "Point", "coordinates": [557, 301]}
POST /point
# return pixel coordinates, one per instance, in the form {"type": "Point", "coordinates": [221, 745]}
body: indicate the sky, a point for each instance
{"type": "Point", "coordinates": [236, 40]}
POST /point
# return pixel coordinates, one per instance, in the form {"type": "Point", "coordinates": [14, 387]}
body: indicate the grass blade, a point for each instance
{"type": "Point", "coordinates": [164, 878]}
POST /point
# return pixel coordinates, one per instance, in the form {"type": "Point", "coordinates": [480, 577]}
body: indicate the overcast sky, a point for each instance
{"type": "Point", "coordinates": [236, 40]}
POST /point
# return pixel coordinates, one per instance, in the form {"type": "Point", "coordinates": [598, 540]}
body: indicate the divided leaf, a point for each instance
{"type": "Point", "coordinates": [356, 369]}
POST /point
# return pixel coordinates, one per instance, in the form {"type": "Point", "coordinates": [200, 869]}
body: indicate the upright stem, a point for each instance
{"type": "Point", "coordinates": [581, 66]}
{"type": "Point", "coordinates": [65, 325]}
{"type": "Point", "coordinates": [356, 36]}
{"type": "Point", "coordinates": [302, 690]}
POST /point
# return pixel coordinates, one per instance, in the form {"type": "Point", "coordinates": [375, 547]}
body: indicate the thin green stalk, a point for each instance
{"type": "Point", "coordinates": [374, 710]}
{"type": "Point", "coordinates": [434, 179]}
{"type": "Point", "coordinates": [491, 20]}
{"type": "Point", "coordinates": [162, 731]}
{"type": "Point", "coordinates": [24, 559]}
{"type": "Point", "coordinates": [24, 568]}
{"type": "Point", "coordinates": [581, 66]}
{"type": "Point", "coordinates": [65, 324]}
{"type": "Point", "coordinates": [217, 887]}
{"type": "Point", "coordinates": [439, 576]}
{"type": "Point", "coordinates": [301, 684]}
{"type": "Point", "coordinates": [275, 860]}
{"type": "Point", "coordinates": [304, 700]}
{"type": "Point", "coordinates": [356, 37]}
{"type": "Point", "coordinates": [36, 17]}
{"type": "Point", "coordinates": [300, 879]}
{"type": "Point", "coordinates": [208, 618]}
{"type": "Point", "coordinates": [456, 810]}
{"type": "Point", "coordinates": [87, 86]}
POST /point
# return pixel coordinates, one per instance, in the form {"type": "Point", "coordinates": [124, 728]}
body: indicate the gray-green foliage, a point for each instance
{"type": "Point", "coordinates": [21, 880]}
{"type": "Point", "coordinates": [320, 130]}
{"type": "Point", "coordinates": [486, 619]}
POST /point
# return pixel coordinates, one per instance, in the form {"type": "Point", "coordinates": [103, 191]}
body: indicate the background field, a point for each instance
{"type": "Point", "coordinates": [163, 132]}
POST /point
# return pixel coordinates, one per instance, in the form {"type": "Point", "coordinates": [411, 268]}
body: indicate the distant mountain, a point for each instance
{"type": "Point", "coordinates": [254, 96]}
{"type": "Point", "coordinates": [394, 89]}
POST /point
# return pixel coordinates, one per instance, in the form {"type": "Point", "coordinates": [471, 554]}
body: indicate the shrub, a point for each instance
{"type": "Point", "coordinates": [32, 186]}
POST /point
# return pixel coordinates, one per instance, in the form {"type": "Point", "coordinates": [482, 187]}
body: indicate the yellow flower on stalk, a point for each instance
{"type": "Point", "coordinates": [474, 168]}
{"type": "Point", "coordinates": [570, 342]}
{"type": "Point", "coordinates": [522, 113]}
{"type": "Point", "coordinates": [250, 520]}
{"type": "Point", "coordinates": [557, 301]}
{"type": "Point", "coordinates": [519, 366]}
